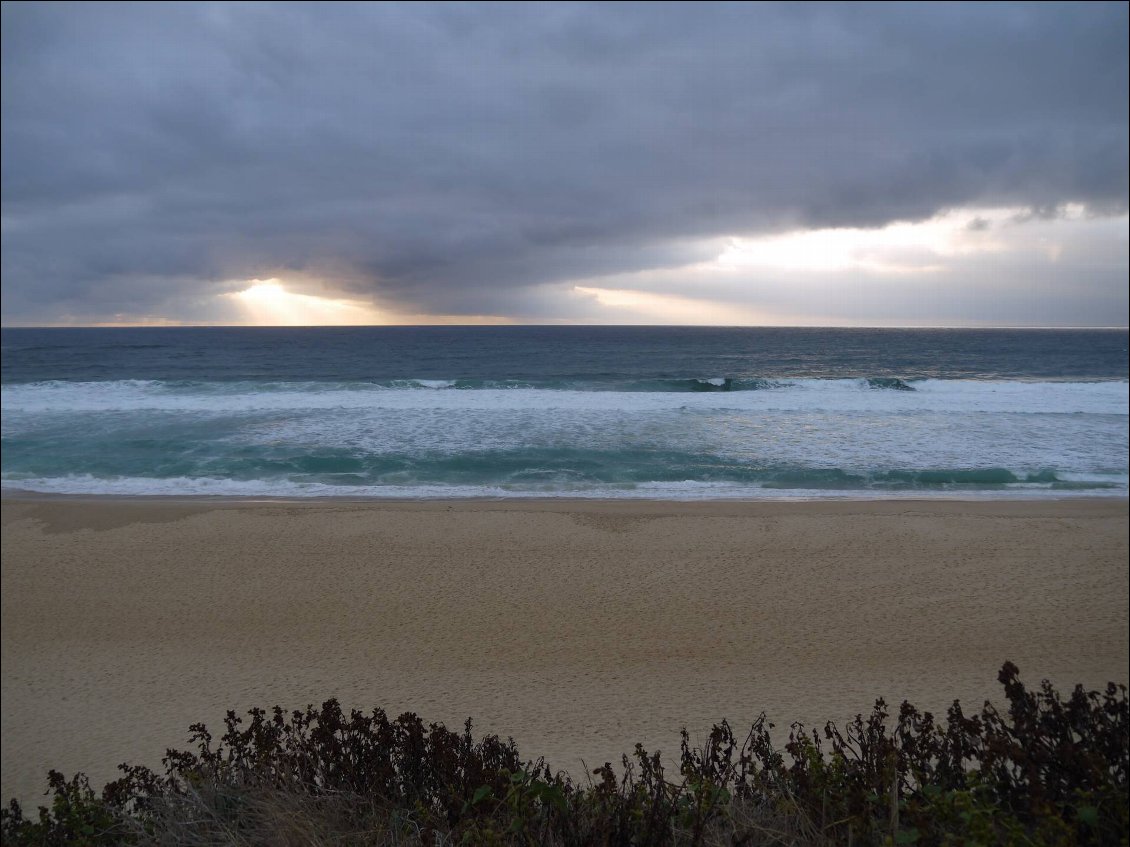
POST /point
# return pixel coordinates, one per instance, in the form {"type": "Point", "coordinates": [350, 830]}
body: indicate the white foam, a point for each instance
{"type": "Point", "coordinates": [951, 396]}
{"type": "Point", "coordinates": [435, 383]}
{"type": "Point", "coordinates": [85, 485]}
{"type": "Point", "coordinates": [1077, 429]}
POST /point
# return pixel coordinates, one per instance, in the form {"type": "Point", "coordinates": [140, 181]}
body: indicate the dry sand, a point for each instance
{"type": "Point", "coordinates": [576, 627]}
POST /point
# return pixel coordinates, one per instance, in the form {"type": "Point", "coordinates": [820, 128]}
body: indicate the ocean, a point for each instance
{"type": "Point", "coordinates": [550, 411]}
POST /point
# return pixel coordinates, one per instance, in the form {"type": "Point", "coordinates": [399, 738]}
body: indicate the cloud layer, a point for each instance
{"type": "Point", "coordinates": [480, 159]}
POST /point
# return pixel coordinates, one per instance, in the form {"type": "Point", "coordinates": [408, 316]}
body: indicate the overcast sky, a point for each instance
{"type": "Point", "coordinates": [735, 164]}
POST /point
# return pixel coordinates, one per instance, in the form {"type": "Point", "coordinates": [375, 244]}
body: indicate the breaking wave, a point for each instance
{"type": "Point", "coordinates": [708, 437]}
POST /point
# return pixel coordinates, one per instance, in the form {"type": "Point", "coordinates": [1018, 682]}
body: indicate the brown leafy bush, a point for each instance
{"type": "Point", "coordinates": [1046, 771]}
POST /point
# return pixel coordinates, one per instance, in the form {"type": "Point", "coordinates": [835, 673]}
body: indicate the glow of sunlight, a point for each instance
{"type": "Point", "coordinates": [647, 307]}
{"type": "Point", "coordinates": [265, 302]}
{"type": "Point", "coordinates": [123, 320]}
{"type": "Point", "coordinates": [901, 247]}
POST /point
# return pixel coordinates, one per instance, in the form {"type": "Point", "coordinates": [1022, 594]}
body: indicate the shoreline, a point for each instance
{"type": "Point", "coordinates": [577, 626]}
{"type": "Point", "coordinates": [21, 495]}
{"type": "Point", "coordinates": [956, 504]}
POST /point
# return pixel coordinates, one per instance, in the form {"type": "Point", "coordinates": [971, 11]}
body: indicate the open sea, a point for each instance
{"type": "Point", "coordinates": [649, 412]}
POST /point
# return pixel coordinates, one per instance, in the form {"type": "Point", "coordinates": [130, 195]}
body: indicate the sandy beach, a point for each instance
{"type": "Point", "coordinates": [577, 627]}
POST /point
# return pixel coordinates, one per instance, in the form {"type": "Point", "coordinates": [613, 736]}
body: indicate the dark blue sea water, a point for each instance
{"type": "Point", "coordinates": [565, 411]}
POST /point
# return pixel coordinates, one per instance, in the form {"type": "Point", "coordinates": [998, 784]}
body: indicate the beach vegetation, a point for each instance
{"type": "Point", "coordinates": [1044, 770]}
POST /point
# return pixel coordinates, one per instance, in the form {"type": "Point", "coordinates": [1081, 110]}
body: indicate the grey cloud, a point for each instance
{"type": "Point", "coordinates": [1085, 285]}
{"type": "Point", "coordinates": [457, 157]}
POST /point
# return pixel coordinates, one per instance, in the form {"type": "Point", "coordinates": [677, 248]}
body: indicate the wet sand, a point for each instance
{"type": "Point", "coordinates": [577, 627]}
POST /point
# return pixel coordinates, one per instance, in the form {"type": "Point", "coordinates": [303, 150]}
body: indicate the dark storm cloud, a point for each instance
{"type": "Point", "coordinates": [445, 156]}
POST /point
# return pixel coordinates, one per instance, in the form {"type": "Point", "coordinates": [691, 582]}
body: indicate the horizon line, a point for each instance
{"type": "Point", "coordinates": [583, 325]}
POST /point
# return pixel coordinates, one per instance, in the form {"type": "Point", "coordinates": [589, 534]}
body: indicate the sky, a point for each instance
{"type": "Point", "coordinates": [735, 164]}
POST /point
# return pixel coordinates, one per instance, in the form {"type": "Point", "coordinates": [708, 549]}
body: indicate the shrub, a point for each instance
{"type": "Point", "coordinates": [1046, 771]}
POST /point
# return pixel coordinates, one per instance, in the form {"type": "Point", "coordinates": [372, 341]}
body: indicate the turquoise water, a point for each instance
{"type": "Point", "coordinates": [565, 411]}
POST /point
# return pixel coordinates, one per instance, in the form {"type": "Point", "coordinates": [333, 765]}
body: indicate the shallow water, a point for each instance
{"type": "Point", "coordinates": [566, 411]}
